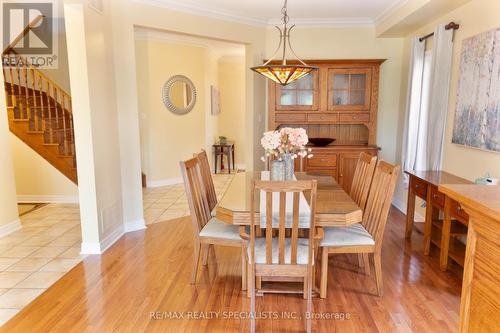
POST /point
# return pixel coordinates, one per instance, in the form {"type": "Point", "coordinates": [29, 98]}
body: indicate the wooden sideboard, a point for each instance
{"type": "Point", "coordinates": [440, 232]}
{"type": "Point", "coordinates": [340, 101]}
{"type": "Point", "coordinates": [480, 301]}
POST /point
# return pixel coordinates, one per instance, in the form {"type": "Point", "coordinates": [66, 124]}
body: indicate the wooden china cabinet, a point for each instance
{"type": "Point", "coordinates": [339, 101]}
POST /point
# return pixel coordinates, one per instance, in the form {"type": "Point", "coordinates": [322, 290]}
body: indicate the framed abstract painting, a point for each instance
{"type": "Point", "coordinates": [477, 114]}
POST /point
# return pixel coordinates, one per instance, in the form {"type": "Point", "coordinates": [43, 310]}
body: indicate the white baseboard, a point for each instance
{"type": "Point", "coordinates": [106, 243]}
{"type": "Point", "coordinates": [134, 225]}
{"type": "Point", "coordinates": [48, 198]}
{"type": "Point", "coordinates": [240, 166]}
{"type": "Point", "coordinates": [164, 182]}
{"type": "Point", "coordinates": [402, 207]}
{"type": "Point", "coordinates": [10, 228]}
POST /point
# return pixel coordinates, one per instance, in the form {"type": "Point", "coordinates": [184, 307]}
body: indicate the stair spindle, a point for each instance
{"type": "Point", "coordinates": [13, 95]}
{"type": "Point", "coordinates": [26, 93]}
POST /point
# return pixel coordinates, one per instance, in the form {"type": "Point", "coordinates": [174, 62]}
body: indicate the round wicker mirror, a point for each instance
{"type": "Point", "coordinates": [179, 94]}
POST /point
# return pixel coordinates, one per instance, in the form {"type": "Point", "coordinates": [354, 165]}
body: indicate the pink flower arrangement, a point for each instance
{"type": "Point", "coordinates": [286, 140]}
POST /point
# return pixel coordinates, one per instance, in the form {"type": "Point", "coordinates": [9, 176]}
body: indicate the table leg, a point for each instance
{"type": "Point", "coordinates": [410, 210]}
{"type": "Point", "coordinates": [215, 160]}
{"type": "Point", "coordinates": [229, 159]}
{"type": "Point", "coordinates": [445, 235]}
{"type": "Point", "coordinates": [234, 168]}
{"type": "Point", "coordinates": [221, 158]}
{"type": "Point", "coordinates": [430, 214]}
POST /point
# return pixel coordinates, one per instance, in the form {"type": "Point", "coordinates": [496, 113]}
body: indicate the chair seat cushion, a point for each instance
{"type": "Point", "coordinates": [352, 235]}
{"type": "Point", "coordinates": [302, 251]}
{"type": "Point", "coordinates": [218, 229]}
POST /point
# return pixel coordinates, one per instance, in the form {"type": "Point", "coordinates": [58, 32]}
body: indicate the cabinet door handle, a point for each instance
{"type": "Point", "coordinates": [417, 185]}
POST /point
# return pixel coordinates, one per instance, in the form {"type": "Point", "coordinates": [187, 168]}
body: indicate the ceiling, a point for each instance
{"type": "Point", "coordinates": [312, 12]}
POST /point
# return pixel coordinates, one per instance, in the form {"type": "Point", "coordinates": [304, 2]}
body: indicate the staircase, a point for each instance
{"type": "Point", "coordinates": [39, 112]}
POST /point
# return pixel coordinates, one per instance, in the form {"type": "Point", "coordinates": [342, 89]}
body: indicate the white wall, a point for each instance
{"type": "Point", "coordinates": [90, 53]}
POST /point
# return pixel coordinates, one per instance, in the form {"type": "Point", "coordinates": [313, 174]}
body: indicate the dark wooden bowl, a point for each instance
{"type": "Point", "coordinates": [321, 142]}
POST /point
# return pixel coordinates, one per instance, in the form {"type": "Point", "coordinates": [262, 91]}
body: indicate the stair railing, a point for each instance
{"type": "Point", "coordinates": [35, 97]}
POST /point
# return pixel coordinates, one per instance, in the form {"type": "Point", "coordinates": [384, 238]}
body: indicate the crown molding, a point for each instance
{"type": "Point", "coordinates": [206, 12]}
{"type": "Point", "coordinates": [395, 6]}
{"type": "Point", "coordinates": [187, 41]}
{"type": "Point", "coordinates": [257, 22]}
{"type": "Point", "coordinates": [362, 22]}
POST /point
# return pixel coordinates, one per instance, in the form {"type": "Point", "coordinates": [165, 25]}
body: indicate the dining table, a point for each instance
{"type": "Point", "coordinates": [334, 207]}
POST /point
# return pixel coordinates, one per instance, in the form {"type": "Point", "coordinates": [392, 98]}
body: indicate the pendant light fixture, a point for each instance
{"type": "Point", "coordinates": [284, 73]}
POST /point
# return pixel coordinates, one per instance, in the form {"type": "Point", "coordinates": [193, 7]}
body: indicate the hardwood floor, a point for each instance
{"type": "Point", "coordinates": [149, 271]}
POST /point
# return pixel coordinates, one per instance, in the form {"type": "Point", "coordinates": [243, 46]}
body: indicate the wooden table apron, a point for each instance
{"type": "Point", "coordinates": [334, 207]}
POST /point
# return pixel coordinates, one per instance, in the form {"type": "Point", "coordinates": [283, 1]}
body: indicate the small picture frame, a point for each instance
{"type": "Point", "coordinates": [215, 93]}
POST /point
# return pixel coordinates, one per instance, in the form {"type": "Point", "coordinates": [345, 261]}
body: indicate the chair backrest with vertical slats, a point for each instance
{"type": "Point", "coordinates": [195, 192]}
{"type": "Point", "coordinates": [295, 188]}
{"type": "Point", "coordinates": [380, 199]}
{"type": "Point", "coordinates": [362, 180]}
{"type": "Point", "coordinates": [208, 181]}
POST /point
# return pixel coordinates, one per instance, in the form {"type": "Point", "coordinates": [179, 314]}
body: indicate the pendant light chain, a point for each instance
{"type": "Point", "coordinates": [284, 73]}
{"type": "Point", "coordinates": [284, 11]}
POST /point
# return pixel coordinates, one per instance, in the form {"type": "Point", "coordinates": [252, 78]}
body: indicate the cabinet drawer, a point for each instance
{"type": "Point", "coordinates": [419, 187]}
{"type": "Point", "coordinates": [322, 117]}
{"type": "Point", "coordinates": [354, 117]}
{"type": "Point", "coordinates": [458, 212]}
{"type": "Point", "coordinates": [329, 172]}
{"type": "Point", "coordinates": [437, 198]}
{"type": "Point", "coordinates": [290, 117]}
{"type": "Point", "coordinates": [323, 160]}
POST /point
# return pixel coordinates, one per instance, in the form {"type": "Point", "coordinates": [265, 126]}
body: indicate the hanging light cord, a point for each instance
{"type": "Point", "coordinates": [285, 38]}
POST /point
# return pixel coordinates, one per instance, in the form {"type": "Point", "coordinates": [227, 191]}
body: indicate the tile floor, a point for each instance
{"type": "Point", "coordinates": [170, 202]}
{"type": "Point", "coordinates": [48, 245]}
{"type": "Point", "coordinates": [34, 257]}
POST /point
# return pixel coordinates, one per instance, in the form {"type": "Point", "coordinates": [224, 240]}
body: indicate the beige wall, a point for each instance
{"type": "Point", "coordinates": [9, 217]}
{"type": "Point", "coordinates": [168, 138]}
{"type": "Point", "coordinates": [475, 17]}
{"type": "Point", "coordinates": [212, 126]}
{"type": "Point", "coordinates": [357, 43]}
{"type": "Point", "coordinates": [36, 179]}
{"type": "Point", "coordinates": [232, 93]}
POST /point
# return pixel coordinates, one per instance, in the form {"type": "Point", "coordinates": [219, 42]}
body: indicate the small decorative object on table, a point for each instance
{"type": "Point", "coordinates": [284, 146]}
{"type": "Point", "coordinates": [222, 140]}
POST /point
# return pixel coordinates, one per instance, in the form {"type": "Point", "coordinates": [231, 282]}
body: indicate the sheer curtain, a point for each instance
{"type": "Point", "coordinates": [413, 105]}
{"type": "Point", "coordinates": [427, 102]}
{"type": "Point", "coordinates": [442, 54]}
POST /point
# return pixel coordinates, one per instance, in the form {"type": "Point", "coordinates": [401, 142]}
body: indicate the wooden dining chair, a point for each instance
{"type": "Point", "coordinates": [207, 179]}
{"type": "Point", "coordinates": [361, 182]}
{"type": "Point", "coordinates": [367, 236]}
{"type": "Point", "coordinates": [282, 253]}
{"type": "Point", "coordinates": [207, 229]}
